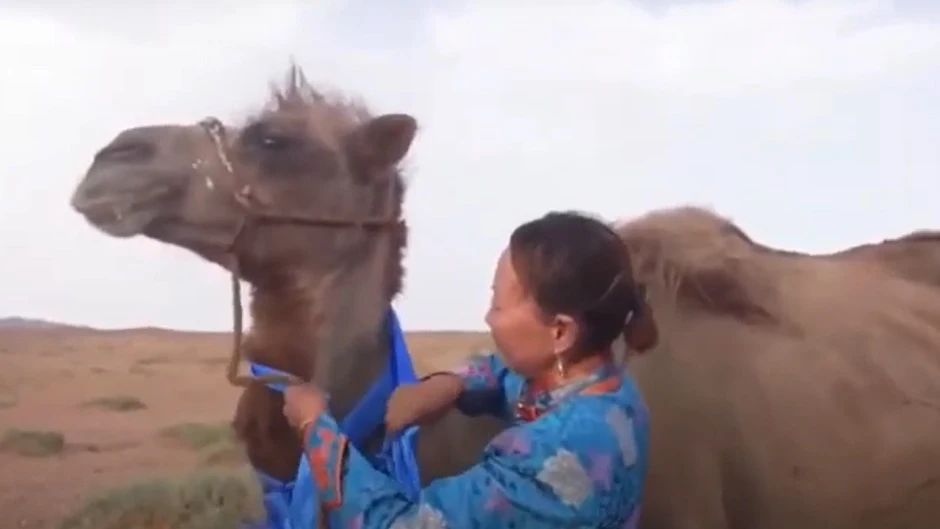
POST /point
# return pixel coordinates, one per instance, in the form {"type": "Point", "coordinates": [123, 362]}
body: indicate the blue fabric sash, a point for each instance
{"type": "Point", "coordinates": [293, 504]}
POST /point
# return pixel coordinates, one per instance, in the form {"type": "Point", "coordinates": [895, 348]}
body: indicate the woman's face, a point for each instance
{"type": "Point", "coordinates": [526, 341]}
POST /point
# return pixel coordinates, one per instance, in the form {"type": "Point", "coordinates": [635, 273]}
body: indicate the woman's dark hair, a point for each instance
{"type": "Point", "coordinates": [577, 265]}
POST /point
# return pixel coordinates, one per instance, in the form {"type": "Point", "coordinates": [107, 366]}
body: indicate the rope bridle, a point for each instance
{"type": "Point", "coordinates": [255, 213]}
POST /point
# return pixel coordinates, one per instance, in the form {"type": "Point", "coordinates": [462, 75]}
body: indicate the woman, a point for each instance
{"type": "Point", "coordinates": [563, 292]}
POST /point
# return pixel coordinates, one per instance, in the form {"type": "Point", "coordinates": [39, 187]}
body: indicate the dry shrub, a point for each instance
{"type": "Point", "coordinates": [226, 453]}
{"type": "Point", "coordinates": [116, 403]}
{"type": "Point", "coordinates": [202, 500]}
{"type": "Point", "coordinates": [199, 435]}
{"type": "Point", "coordinates": [32, 443]}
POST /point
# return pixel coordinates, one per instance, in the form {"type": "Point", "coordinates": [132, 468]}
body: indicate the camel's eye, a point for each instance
{"type": "Point", "coordinates": [263, 136]}
{"type": "Point", "coordinates": [274, 142]}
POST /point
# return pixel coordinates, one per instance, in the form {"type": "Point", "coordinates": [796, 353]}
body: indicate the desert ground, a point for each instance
{"type": "Point", "coordinates": [93, 422]}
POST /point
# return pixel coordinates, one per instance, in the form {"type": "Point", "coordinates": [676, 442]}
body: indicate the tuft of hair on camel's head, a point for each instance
{"type": "Point", "coordinates": [307, 154]}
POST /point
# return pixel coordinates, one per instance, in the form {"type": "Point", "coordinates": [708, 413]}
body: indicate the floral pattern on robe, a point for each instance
{"type": "Point", "coordinates": [581, 465]}
{"type": "Point", "coordinates": [490, 388]}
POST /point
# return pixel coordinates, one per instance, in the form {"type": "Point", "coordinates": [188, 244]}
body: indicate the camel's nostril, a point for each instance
{"type": "Point", "coordinates": [126, 151]}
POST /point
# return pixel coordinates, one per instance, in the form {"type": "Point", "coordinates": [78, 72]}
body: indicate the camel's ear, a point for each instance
{"type": "Point", "coordinates": [382, 142]}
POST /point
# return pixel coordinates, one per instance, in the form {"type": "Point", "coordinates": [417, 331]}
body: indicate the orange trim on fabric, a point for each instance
{"type": "Point", "coordinates": [529, 413]}
{"type": "Point", "coordinates": [611, 383]}
{"type": "Point", "coordinates": [306, 428]}
{"type": "Point", "coordinates": [552, 378]}
{"type": "Point", "coordinates": [319, 458]}
{"type": "Point", "coordinates": [337, 478]}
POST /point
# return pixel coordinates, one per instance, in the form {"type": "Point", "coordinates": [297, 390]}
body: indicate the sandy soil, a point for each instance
{"type": "Point", "coordinates": [48, 376]}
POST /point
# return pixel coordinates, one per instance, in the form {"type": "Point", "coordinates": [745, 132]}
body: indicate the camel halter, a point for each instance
{"type": "Point", "coordinates": [254, 213]}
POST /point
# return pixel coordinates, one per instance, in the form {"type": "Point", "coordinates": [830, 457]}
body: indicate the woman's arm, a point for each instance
{"type": "Point", "coordinates": [488, 386]}
{"type": "Point", "coordinates": [564, 470]}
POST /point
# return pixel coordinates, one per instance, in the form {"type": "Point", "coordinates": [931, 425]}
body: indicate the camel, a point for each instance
{"type": "Point", "coordinates": [787, 390]}
{"type": "Point", "coordinates": [915, 256]}
{"type": "Point", "coordinates": [320, 289]}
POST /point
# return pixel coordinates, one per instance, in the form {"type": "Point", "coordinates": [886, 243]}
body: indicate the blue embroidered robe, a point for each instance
{"type": "Point", "coordinates": [579, 465]}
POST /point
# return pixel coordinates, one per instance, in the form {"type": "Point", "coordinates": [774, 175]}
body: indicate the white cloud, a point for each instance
{"type": "Point", "coordinates": [813, 124]}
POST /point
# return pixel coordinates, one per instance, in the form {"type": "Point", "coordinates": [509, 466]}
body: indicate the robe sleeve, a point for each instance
{"type": "Point", "coordinates": [489, 387]}
{"type": "Point", "coordinates": [564, 470]}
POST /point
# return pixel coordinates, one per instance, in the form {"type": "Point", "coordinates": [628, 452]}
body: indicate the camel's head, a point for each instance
{"type": "Point", "coordinates": [305, 155]}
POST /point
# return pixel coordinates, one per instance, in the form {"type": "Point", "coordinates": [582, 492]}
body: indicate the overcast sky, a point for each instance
{"type": "Point", "coordinates": [815, 125]}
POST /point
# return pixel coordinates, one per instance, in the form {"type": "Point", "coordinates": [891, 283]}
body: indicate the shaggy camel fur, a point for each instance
{"type": "Point", "coordinates": [787, 392]}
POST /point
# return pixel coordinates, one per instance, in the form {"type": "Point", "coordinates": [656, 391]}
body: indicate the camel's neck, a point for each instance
{"type": "Point", "coordinates": [336, 338]}
{"type": "Point", "coordinates": [333, 337]}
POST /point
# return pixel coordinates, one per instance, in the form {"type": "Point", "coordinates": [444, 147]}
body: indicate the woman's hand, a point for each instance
{"type": "Point", "coordinates": [303, 403]}
{"type": "Point", "coordinates": [423, 402]}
